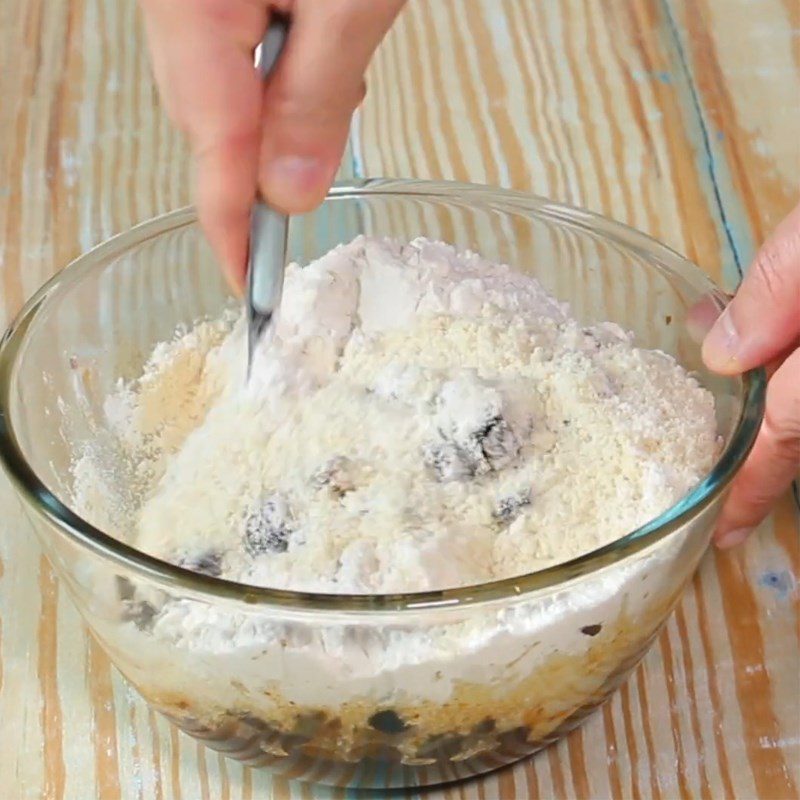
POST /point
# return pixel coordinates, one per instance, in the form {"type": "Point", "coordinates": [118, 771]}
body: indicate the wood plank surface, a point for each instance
{"type": "Point", "coordinates": [680, 117]}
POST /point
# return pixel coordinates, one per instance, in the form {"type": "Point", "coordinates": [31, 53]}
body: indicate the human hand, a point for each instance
{"type": "Point", "coordinates": [284, 137]}
{"type": "Point", "coordinates": [761, 327]}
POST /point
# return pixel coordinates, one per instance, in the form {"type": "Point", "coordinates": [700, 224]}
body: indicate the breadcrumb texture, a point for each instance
{"type": "Point", "coordinates": [420, 418]}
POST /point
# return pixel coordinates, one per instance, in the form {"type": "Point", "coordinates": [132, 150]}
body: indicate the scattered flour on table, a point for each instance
{"type": "Point", "coordinates": [421, 418]}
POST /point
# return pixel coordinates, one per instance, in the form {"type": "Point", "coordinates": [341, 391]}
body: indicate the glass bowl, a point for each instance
{"type": "Point", "coordinates": [374, 691]}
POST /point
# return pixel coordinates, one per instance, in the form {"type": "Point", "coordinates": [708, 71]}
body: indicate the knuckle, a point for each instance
{"type": "Point", "coordinates": [233, 141]}
{"type": "Point", "coordinates": [320, 108]}
{"type": "Point", "coordinates": [783, 426]}
{"type": "Point", "coordinates": [775, 263]}
{"type": "Point", "coordinates": [768, 269]}
{"type": "Point", "coordinates": [754, 494]}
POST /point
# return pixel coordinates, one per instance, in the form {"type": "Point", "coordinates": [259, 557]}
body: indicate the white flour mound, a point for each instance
{"type": "Point", "coordinates": [420, 419]}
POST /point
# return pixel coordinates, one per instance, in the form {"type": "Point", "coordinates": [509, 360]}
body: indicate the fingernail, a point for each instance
{"type": "Point", "coordinates": [289, 179]}
{"type": "Point", "coordinates": [721, 346]}
{"type": "Point", "coordinates": [733, 538]}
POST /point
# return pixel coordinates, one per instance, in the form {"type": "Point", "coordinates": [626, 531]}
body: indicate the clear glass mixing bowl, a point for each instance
{"type": "Point", "coordinates": [402, 690]}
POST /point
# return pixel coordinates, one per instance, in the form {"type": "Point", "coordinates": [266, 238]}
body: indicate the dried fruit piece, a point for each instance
{"type": "Point", "coordinates": [486, 726]}
{"type": "Point", "coordinates": [387, 721]}
{"type": "Point", "coordinates": [475, 436]}
{"type": "Point", "coordinates": [140, 612]}
{"type": "Point", "coordinates": [125, 589]}
{"type": "Point", "coordinates": [448, 462]}
{"type": "Point", "coordinates": [208, 562]}
{"type": "Point", "coordinates": [509, 508]}
{"type": "Point", "coordinates": [268, 528]}
{"type": "Point", "coordinates": [497, 442]}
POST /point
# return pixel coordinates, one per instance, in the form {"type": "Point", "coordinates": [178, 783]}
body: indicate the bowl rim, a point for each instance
{"type": "Point", "coordinates": [46, 504]}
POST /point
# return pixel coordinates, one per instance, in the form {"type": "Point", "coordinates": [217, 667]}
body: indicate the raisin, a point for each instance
{"type": "Point", "coordinates": [206, 563]}
{"type": "Point", "coordinates": [448, 462]}
{"type": "Point", "coordinates": [482, 728]}
{"type": "Point", "coordinates": [267, 530]}
{"type": "Point", "coordinates": [509, 508]}
{"type": "Point", "coordinates": [592, 336]}
{"type": "Point", "coordinates": [387, 721]}
{"type": "Point", "coordinates": [489, 447]}
{"type": "Point", "coordinates": [497, 442]}
{"type": "Point", "coordinates": [125, 589]}
{"type": "Point", "coordinates": [591, 630]}
{"type": "Point", "coordinates": [140, 613]}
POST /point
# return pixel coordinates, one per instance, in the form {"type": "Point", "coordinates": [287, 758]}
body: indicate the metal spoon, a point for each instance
{"type": "Point", "coordinates": [268, 228]}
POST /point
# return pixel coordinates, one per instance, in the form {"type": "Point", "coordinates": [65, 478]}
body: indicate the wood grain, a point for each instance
{"type": "Point", "coordinates": [679, 117]}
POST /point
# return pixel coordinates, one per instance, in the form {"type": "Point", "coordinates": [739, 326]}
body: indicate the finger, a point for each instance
{"type": "Point", "coordinates": [773, 365]}
{"type": "Point", "coordinates": [700, 319]}
{"type": "Point", "coordinates": [773, 463]}
{"type": "Point", "coordinates": [202, 57]}
{"type": "Point", "coordinates": [764, 316]}
{"type": "Point", "coordinates": [311, 95]}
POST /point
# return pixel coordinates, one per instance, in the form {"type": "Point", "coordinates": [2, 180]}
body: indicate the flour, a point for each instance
{"type": "Point", "coordinates": [420, 419]}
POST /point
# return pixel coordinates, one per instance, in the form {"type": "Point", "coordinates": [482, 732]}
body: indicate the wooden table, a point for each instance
{"type": "Point", "coordinates": [679, 117]}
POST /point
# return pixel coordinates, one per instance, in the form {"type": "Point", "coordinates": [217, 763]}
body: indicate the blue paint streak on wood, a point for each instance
{"type": "Point", "coordinates": [642, 76]}
{"type": "Point", "coordinates": [352, 165]}
{"type": "Point", "coordinates": [732, 216]}
{"type": "Point", "coordinates": [739, 236]}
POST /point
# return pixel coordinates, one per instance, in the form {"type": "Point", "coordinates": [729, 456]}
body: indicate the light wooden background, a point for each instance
{"type": "Point", "coordinates": [677, 116]}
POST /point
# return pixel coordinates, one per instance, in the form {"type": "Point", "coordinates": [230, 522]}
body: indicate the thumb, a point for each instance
{"type": "Point", "coordinates": [774, 462]}
{"type": "Point", "coordinates": [763, 319]}
{"type": "Point", "coordinates": [311, 95]}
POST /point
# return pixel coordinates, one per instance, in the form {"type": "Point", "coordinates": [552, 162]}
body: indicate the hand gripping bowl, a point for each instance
{"type": "Point", "coordinates": [375, 691]}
